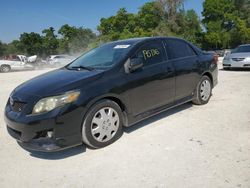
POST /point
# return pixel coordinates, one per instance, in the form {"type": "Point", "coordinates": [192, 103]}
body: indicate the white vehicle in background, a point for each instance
{"type": "Point", "coordinates": [238, 58]}
{"type": "Point", "coordinates": [31, 59]}
{"type": "Point", "coordinates": [15, 62]}
{"type": "Point", "coordinates": [60, 60]}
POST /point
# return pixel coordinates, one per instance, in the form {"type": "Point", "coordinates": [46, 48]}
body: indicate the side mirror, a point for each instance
{"type": "Point", "coordinates": [135, 63]}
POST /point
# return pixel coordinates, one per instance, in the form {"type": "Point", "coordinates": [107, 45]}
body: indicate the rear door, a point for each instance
{"type": "Point", "coordinates": [153, 85]}
{"type": "Point", "coordinates": [186, 64]}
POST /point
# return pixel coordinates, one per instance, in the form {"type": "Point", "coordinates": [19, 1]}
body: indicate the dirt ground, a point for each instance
{"type": "Point", "coordinates": [188, 146]}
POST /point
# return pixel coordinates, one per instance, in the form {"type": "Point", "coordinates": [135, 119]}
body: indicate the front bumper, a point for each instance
{"type": "Point", "coordinates": [235, 64]}
{"type": "Point", "coordinates": [56, 131]}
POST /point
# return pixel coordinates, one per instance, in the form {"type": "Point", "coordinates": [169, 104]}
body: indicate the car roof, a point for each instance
{"type": "Point", "coordinates": [245, 45]}
{"type": "Point", "coordinates": [142, 39]}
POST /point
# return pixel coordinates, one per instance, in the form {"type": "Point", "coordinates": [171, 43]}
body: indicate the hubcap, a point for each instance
{"type": "Point", "coordinates": [105, 124]}
{"type": "Point", "coordinates": [5, 69]}
{"type": "Point", "coordinates": [205, 90]}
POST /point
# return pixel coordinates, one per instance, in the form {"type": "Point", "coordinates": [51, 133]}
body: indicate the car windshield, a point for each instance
{"type": "Point", "coordinates": [242, 49]}
{"type": "Point", "coordinates": [103, 57]}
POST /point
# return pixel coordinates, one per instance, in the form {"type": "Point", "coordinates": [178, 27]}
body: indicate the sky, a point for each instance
{"type": "Point", "coordinates": [18, 16]}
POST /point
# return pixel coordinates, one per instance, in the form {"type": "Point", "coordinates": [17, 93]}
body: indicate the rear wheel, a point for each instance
{"type": "Point", "coordinates": [103, 124]}
{"type": "Point", "coordinates": [5, 68]}
{"type": "Point", "coordinates": [203, 91]}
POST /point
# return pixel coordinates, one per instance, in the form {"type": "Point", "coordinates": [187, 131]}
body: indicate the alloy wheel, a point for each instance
{"type": "Point", "coordinates": [205, 90]}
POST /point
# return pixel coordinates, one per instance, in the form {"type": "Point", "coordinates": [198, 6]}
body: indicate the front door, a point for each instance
{"type": "Point", "coordinates": [152, 86]}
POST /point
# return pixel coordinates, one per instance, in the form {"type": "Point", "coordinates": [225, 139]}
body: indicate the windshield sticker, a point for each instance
{"type": "Point", "coordinates": [121, 46]}
{"type": "Point", "coordinates": [150, 53]}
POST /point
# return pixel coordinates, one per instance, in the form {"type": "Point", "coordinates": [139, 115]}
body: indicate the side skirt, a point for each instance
{"type": "Point", "coordinates": [148, 114]}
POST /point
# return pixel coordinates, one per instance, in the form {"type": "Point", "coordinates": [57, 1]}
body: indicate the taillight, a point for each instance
{"type": "Point", "coordinates": [216, 58]}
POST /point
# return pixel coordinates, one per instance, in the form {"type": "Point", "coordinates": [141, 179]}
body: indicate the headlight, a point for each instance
{"type": "Point", "coordinates": [247, 59]}
{"type": "Point", "coordinates": [227, 58]}
{"type": "Point", "coordinates": [50, 103]}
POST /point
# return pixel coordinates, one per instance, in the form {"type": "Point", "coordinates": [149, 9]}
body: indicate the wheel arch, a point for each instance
{"type": "Point", "coordinates": [209, 75]}
{"type": "Point", "coordinates": [117, 100]}
{"type": "Point", "coordinates": [7, 65]}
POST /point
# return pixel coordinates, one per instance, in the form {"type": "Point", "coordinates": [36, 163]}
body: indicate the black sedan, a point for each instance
{"type": "Point", "coordinates": [110, 87]}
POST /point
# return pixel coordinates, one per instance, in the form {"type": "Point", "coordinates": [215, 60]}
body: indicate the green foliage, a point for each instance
{"type": "Point", "coordinates": [190, 27]}
{"type": "Point", "coordinates": [153, 19]}
{"type": "Point", "coordinates": [227, 23]}
{"type": "Point", "coordinates": [71, 40]}
{"type": "Point", "coordinates": [50, 42]}
{"type": "Point", "coordinates": [31, 43]}
{"type": "Point", "coordinates": [120, 26]}
{"type": "Point", "coordinates": [74, 40]}
{"type": "Point", "coordinates": [127, 25]}
{"type": "Point", "coordinates": [13, 48]}
{"type": "Point", "coordinates": [2, 49]}
{"type": "Point", "coordinates": [149, 16]}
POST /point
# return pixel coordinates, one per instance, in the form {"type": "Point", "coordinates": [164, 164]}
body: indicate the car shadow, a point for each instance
{"type": "Point", "coordinates": [82, 148]}
{"type": "Point", "coordinates": [157, 117]}
{"type": "Point", "coordinates": [235, 70]}
{"type": "Point", "coordinates": [59, 154]}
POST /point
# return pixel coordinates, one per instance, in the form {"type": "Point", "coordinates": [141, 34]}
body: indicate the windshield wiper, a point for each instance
{"type": "Point", "coordinates": [82, 67]}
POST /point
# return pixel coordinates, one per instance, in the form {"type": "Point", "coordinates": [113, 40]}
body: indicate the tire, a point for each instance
{"type": "Point", "coordinates": [4, 68]}
{"type": "Point", "coordinates": [102, 125]}
{"type": "Point", "coordinates": [203, 91]}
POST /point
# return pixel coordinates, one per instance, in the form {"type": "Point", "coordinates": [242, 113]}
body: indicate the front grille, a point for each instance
{"type": "Point", "coordinates": [18, 106]}
{"type": "Point", "coordinates": [238, 59]}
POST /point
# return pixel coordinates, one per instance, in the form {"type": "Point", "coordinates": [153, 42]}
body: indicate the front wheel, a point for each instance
{"type": "Point", "coordinates": [5, 68]}
{"type": "Point", "coordinates": [103, 124]}
{"type": "Point", "coordinates": [203, 91]}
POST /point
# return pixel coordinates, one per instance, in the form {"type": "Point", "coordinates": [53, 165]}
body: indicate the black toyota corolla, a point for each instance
{"type": "Point", "coordinates": [110, 87]}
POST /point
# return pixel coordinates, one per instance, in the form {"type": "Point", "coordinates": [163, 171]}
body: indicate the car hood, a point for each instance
{"type": "Point", "coordinates": [57, 81]}
{"type": "Point", "coordinates": [239, 55]}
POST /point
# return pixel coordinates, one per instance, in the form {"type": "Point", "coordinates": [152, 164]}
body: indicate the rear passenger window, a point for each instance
{"type": "Point", "coordinates": [151, 53]}
{"type": "Point", "coordinates": [178, 49]}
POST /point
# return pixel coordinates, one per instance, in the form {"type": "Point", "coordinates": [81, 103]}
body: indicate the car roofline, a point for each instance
{"type": "Point", "coordinates": [135, 41]}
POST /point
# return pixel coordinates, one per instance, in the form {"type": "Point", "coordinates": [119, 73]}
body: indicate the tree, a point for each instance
{"type": "Point", "coordinates": [74, 40]}
{"type": "Point", "coordinates": [31, 43]}
{"type": "Point", "coordinates": [242, 8]}
{"type": "Point", "coordinates": [170, 10]}
{"type": "Point", "coordinates": [149, 16]}
{"type": "Point", "coordinates": [122, 25]}
{"type": "Point", "coordinates": [226, 23]}
{"type": "Point", "coordinates": [13, 48]}
{"type": "Point", "coordinates": [190, 27]}
{"type": "Point", "coordinates": [50, 41]}
{"type": "Point", "coordinates": [127, 25]}
{"type": "Point", "coordinates": [2, 49]}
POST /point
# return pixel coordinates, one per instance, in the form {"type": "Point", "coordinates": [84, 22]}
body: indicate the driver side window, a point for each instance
{"type": "Point", "coordinates": [151, 53]}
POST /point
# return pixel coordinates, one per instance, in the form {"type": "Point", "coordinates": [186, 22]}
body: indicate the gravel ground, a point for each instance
{"type": "Point", "coordinates": [188, 146]}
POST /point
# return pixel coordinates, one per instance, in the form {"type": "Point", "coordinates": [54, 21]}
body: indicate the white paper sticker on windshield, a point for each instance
{"type": "Point", "coordinates": [121, 46]}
